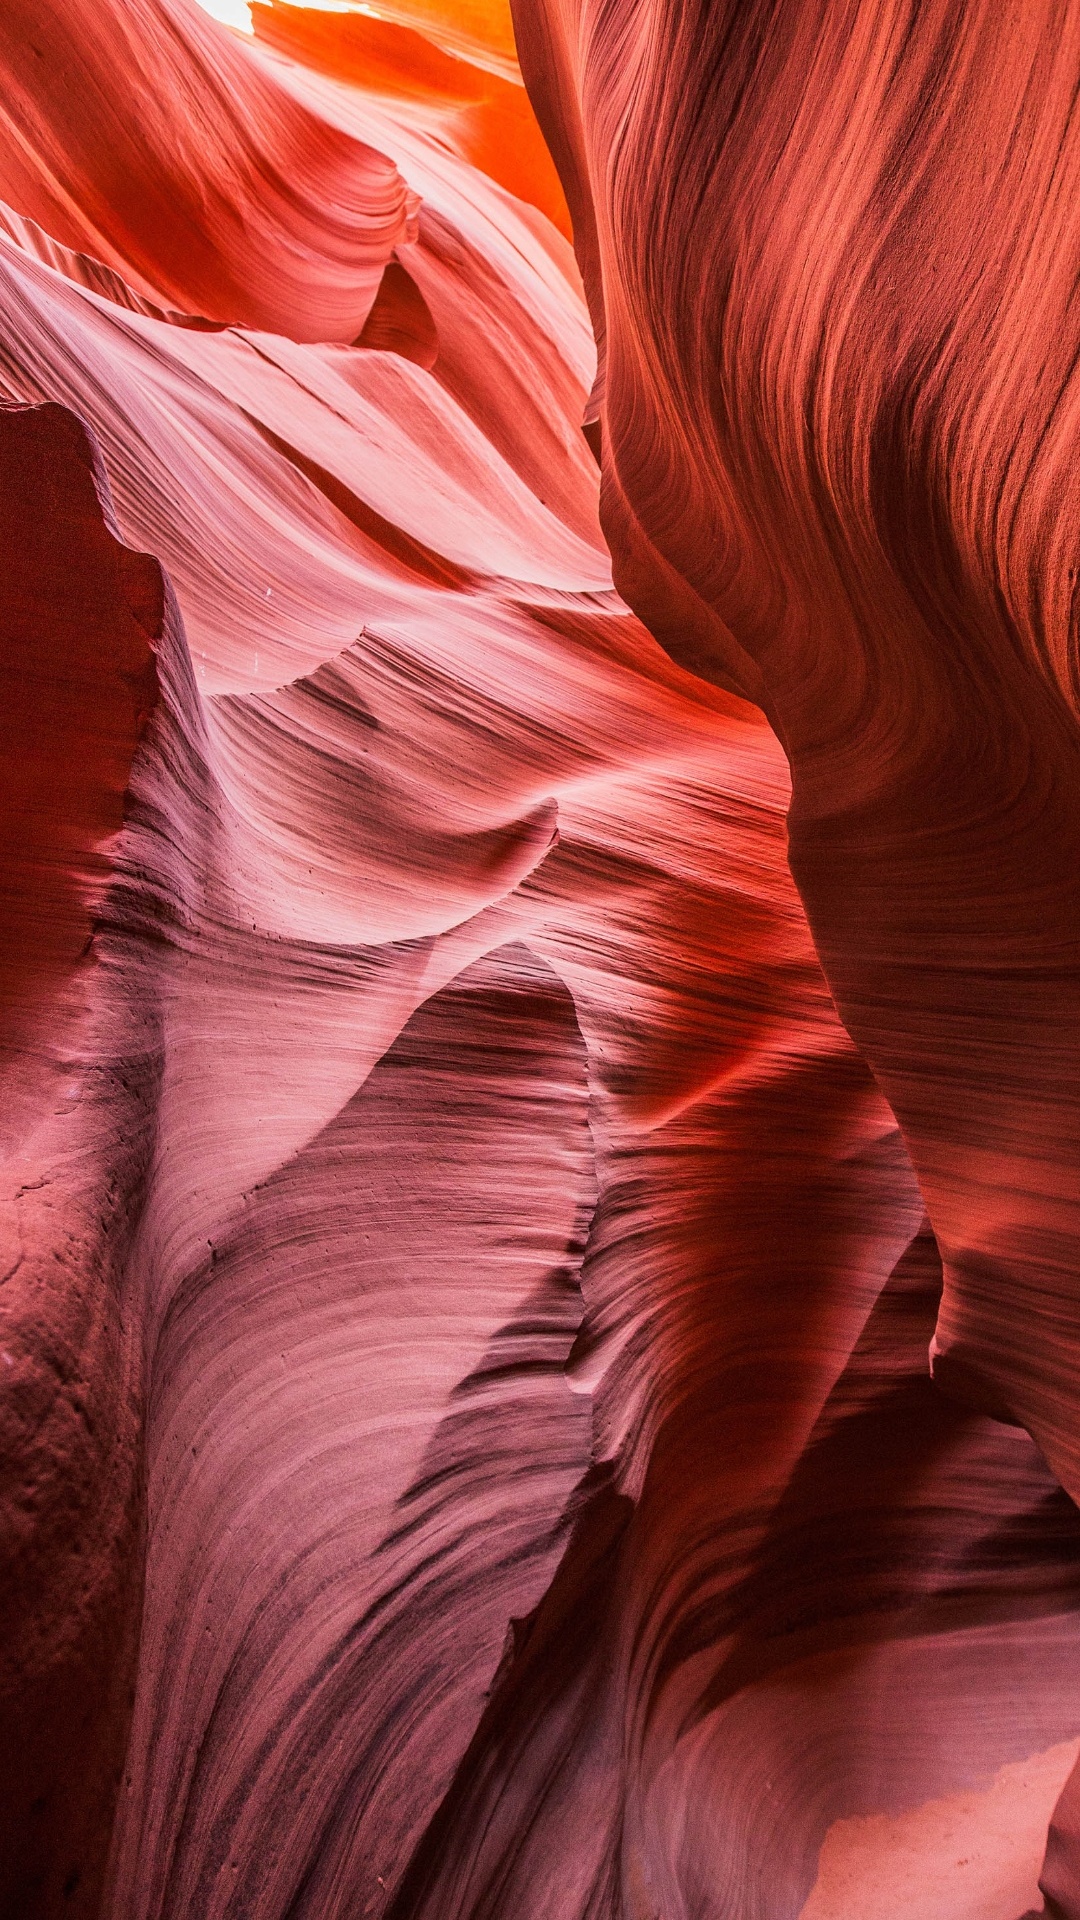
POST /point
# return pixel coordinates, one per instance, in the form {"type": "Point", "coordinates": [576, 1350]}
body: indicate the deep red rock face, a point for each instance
{"type": "Point", "coordinates": [469, 1448]}
{"type": "Point", "coordinates": [831, 254]}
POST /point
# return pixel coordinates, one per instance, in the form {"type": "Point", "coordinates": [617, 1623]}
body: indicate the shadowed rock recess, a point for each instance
{"type": "Point", "coordinates": [540, 1183]}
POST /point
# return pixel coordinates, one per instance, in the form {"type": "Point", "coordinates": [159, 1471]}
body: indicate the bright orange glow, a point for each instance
{"type": "Point", "coordinates": [457, 60]}
{"type": "Point", "coordinates": [477, 30]}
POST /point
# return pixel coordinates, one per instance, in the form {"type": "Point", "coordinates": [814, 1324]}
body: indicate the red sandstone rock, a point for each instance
{"type": "Point", "coordinates": [832, 255]}
{"type": "Point", "coordinates": [469, 1446]}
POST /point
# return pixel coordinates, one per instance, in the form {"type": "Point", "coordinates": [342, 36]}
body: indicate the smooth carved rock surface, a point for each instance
{"type": "Point", "coordinates": [468, 1444]}
{"type": "Point", "coordinates": [830, 254]}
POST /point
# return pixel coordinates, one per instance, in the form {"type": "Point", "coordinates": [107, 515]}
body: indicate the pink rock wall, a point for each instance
{"type": "Point", "coordinates": [468, 1442]}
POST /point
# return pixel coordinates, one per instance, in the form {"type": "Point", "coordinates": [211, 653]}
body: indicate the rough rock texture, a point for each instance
{"type": "Point", "coordinates": [469, 1451]}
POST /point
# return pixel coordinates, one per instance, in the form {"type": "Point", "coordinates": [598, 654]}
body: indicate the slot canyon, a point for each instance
{"type": "Point", "coordinates": [540, 998]}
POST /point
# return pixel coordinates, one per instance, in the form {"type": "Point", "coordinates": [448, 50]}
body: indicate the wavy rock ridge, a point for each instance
{"type": "Point", "coordinates": [830, 254]}
{"type": "Point", "coordinates": [468, 1443]}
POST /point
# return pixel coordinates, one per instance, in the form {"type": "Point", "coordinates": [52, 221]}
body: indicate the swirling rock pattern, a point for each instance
{"type": "Point", "coordinates": [830, 252]}
{"type": "Point", "coordinates": [468, 1442]}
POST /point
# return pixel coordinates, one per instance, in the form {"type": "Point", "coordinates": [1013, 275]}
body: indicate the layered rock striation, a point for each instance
{"type": "Point", "coordinates": [830, 254]}
{"type": "Point", "coordinates": [474, 1224]}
